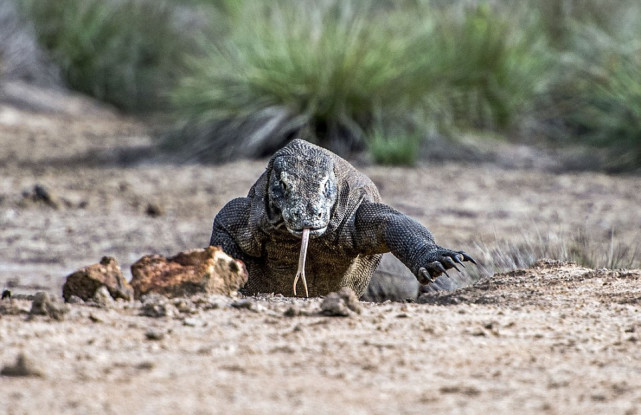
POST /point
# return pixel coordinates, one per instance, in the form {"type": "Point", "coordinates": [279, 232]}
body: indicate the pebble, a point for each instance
{"type": "Point", "coordinates": [248, 304]}
{"type": "Point", "coordinates": [23, 367]}
{"type": "Point", "coordinates": [343, 303]}
{"type": "Point", "coordinates": [46, 305]}
{"type": "Point", "coordinates": [153, 334]}
{"type": "Point", "coordinates": [156, 305]}
{"type": "Point", "coordinates": [102, 298]}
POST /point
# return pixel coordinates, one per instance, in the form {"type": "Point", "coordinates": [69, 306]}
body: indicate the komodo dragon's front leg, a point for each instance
{"type": "Point", "coordinates": [379, 228]}
{"type": "Point", "coordinates": [231, 229]}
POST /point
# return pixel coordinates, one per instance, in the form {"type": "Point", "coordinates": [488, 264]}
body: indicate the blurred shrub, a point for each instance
{"type": "Point", "coordinates": [125, 52]}
{"type": "Point", "coordinates": [393, 147]}
{"type": "Point", "coordinates": [596, 93]}
{"type": "Point", "coordinates": [243, 77]}
{"type": "Point", "coordinates": [324, 70]}
{"type": "Point", "coordinates": [493, 63]}
{"type": "Point", "coordinates": [320, 70]}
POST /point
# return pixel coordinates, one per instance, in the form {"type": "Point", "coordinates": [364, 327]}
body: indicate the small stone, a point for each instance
{"type": "Point", "coordinates": [146, 365]}
{"type": "Point", "coordinates": [43, 195]}
{"type": "Point", "coordinates": [45, 305]}
{"type": "Point", "coordinates": [155, 305]}
{"type": "Point", "coordinates": [153, 334]}
{"type": "Point", "coordinates": [192, 322]}
{"type": "Point", "coordinates": [248, 304]}
{"type": "Point", "coordinates": [333, 305]}
{"type": "Point", "coordinates": [154, 210]}
{"type": "Point", "coordinates": [343, 303]}
{"type": "Point", "coordinates": [86, 281]}
{"type": "Point", "coordinates": [23, 367]}
{"type": "Point", "coordinates": [292, 311]}
{"type": "Point", "coordinates": [185, 306]}
{"type": "Point", "coordinates": [207, 270]}
{"type": "Point", "coordinates": [74, 299]}
{"type": "Point", "coordinates": [95, 318]}
{"type": "Point", "coordinates": [102, 298]}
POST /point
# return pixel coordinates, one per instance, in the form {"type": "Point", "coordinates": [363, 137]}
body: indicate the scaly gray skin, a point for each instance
{"type": "Point", "coordinates": [306, 186]}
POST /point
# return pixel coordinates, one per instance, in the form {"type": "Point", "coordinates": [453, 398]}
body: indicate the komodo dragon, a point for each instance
{"type": "Point", "coordinates": [309, 192]}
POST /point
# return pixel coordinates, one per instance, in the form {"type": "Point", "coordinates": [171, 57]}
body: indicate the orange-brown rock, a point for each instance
{"type": "Point", "coordinates": [86, 281]}
{"type": "Point", "coordinates": [207, 270]}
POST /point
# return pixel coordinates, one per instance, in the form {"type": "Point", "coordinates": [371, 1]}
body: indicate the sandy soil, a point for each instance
{"type": "Point", "coordinates": [555, 338]}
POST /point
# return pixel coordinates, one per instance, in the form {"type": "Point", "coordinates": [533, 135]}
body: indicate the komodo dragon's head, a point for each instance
{"type": "Point", "coordinates": [302, 189]}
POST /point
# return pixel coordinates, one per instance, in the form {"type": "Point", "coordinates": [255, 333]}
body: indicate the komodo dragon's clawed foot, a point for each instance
{"type": "Point", "coordinates": [444, 259]}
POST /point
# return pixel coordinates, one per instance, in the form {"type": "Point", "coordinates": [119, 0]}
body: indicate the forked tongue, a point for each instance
{"type": "Point", "coordinates": [301, 261]}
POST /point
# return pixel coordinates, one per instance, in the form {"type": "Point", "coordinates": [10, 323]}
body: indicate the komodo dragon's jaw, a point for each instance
{"type": "Point", "coordinates": [313, 232]}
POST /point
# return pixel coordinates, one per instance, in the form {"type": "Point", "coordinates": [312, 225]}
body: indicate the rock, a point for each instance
{"type": "Point", "coordinates": [193, 322]}
{"type": "Point", "coordinates": [292, 311]}
{"type": "Point", "coordinates": [209, 302]}
{"type": "Point", "coordinates": [155, 305]}
{"type": "Point", "coordinates": [23, 367]}
{"type": "Point", "coordinates": [96, 318]}
{"type": "Point", "coordinates": [207, 270]}
{"type": "Point", "coordinates": [102, 298]}
{"type": "Point", "coordinates": [154, 334]}
{"type": "Point", "coordinates": [13, 308]}
{"type": "Point", "coordinates": [74, 299]}
{"type": "Point", "coordinates": [86, 281]}
{"type": "Point", "coordinates": [46, 305]}
{"type": "Point", "coordinates": [248, 304]}
{"type": "Point", "coordinates": [154, 210]}
{"type": "Point", "coordinates": [185, 306]}
{"type": "Point", "coordinates": [343, 303]}
{"type": "Point", "coordinates": [40, 194]}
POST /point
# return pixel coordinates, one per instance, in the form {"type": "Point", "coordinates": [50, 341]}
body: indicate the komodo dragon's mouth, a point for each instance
{"type": "Point", "coordinates": [313, 232]}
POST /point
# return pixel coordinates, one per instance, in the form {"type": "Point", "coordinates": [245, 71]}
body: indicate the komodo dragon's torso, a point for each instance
{"type": "Point", "coordinates": [306, 186]}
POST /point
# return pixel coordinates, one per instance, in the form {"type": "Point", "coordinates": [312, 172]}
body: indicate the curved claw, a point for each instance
{"type": "Point", "coordinates": [466, 257]}
{"type": "Point", "coordinates": [458, 260]}
{"type": "Point", "coordinates": [426, 277]}
{"type": "Point", "coordinates": [449, 261]}
{"type": "Point", "coordinates": [441, 268]}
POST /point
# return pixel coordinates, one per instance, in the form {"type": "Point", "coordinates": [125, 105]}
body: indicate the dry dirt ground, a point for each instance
{"type": "Point", "coordinates": [554, 339]}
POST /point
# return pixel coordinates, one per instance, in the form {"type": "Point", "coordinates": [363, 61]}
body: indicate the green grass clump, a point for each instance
{"type": "Point", "coordinates": [493, 63]}
{"type": "Point", "coordinates": [394, 148]}
{"type": "Point", "coordinates": [124, 52]}
{"type": "Point", "coordinates": [243, 77]}
{"type": "Point", "coordinates": [594, 97]}
{"type": "Point", "coordinates": [320, 70]}
{"type": "Point", "coordinates": [330, 71]}
{"type": "Point", "coordinates": [599, 96]}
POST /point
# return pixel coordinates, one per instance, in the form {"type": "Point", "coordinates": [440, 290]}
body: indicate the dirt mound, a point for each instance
{"type": "Point", "coordinates": [547, 283]}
